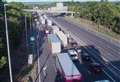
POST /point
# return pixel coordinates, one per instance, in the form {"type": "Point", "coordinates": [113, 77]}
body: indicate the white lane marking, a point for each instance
{"type": "Point", "coordinates": [109, 76]}
{"type": "Point", "coordinates": [107, 61]}
{"type": "Point", "coordinates": [104, 59]}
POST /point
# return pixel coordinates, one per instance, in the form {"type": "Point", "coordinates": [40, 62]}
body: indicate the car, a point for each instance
{"type": "Point", "coordinates": [86, 57]}
{"type": "Point", "coordinates": [79, 50]}
{"type": "Point", "coordinates": [73, 54]}
{"type": "Point", "coordinates": [102, 81]}
{"type": "Point", "coordinates": [95, 67]}
{"type": "Point", "coordinates": [72, 42]}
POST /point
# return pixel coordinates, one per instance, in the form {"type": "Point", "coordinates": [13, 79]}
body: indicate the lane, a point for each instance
{"type": "Point", "coordinates": [39, 41]}
{"type": "Point", "coordinates": [91, 39]}
{"type": "Point", "coordinates": [46, 62]}
{"type": "Point", "coordinates": [109, 51]}
{"type": "Point", "coordinates": [89, 76]}
{"type": "Point", "coordinates": [82, 31]}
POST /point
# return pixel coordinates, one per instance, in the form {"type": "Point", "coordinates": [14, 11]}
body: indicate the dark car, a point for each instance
{"type": "Point", "coordinates": [86, 57]}
{"type": "Point", "coordinates": [95, 68]}
{"type": "Point", "coordinates": [72, 42]}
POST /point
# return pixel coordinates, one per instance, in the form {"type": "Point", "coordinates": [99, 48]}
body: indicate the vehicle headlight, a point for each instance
{"type": "Point", "coordinates": [76, 57]}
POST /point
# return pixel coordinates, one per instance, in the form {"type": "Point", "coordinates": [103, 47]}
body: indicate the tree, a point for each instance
{"type": "Point", "coordinates": [2, 37]}
{"type": "Point", "coordinates": [2, 61]}
{"type": "Point", "coordinates": [15, 28]}
{"type": "Point", "coordinates": [103, 13]}
{"type": "Point", "coordinates": [15, 22]}
{"type": "Point", "coordinates": [117, 25]}
{"type": "Point", "coordinates": [104, 0]}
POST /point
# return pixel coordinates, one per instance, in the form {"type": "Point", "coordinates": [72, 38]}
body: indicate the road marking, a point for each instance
{"type": "Point", "coordinates": [109, 76]}
{"type": "Point", "coordinates": [107, 61]}
{"type": "Point", "coordinates": [104, 59]}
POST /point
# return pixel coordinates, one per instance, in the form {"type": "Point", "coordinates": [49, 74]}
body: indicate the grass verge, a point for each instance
{"type": "Point", "coordinates": [93, 27]}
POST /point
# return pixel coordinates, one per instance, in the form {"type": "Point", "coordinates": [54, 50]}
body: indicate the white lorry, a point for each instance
{"type": "Point", "coordinates": [54, 44]}
{"type": "Point", "coordinates": [63, 38]}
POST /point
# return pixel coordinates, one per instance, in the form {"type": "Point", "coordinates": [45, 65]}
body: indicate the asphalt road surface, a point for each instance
{"type": "Point", "coordinates": [103, 51]}
{"type": "Point", "coordinates": [46, 64]}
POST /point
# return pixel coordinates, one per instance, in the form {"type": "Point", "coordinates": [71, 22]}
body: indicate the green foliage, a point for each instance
{"type": "Point", "coordinates": [3, 61]}
{"type": "Point", "coordinates": [1, 44]}
{"type": "Point", "coordinates": [15, 19]}
{"type": "Point", "coordinates": [104, 13]}
{"type": "Point", "coordinates": [2, 37]}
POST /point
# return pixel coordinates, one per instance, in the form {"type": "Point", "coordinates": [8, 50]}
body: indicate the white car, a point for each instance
{"type": "Point", "coordinates": [73, 54]}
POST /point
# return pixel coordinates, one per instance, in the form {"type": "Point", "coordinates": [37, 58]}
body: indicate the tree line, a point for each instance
{"type": "Point", "coordinates": [16, 27]}
{"type": "Point", "coordinates": [103, 13]}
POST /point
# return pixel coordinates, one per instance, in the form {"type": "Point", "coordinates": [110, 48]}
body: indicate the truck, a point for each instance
{"type": "Point", "coordinates": [66, 70]}
{"type": "Point", "coordinates": [45, 17]}
{"type": "Point", "coordinates": [41, 18]}
{"type": "Point", "coordinates": [49, 22]}
{"type": "Point", "coordinates": [43, 21]}
{"type": "Point", "coordinates": [35, 19]}
{"type": "Point", "coordinates": [55, 29]}
{"type": "Point", "coordinates": [37, 22]}
{"type": "Point", "coordinates": [63, 38]}
{"type": "Point", "coordinates": [54, 43]}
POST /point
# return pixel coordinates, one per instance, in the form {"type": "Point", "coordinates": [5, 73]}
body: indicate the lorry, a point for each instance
{"type": "Point", "coordinates": [45, 17]}
{"type": "Point", "coordinates": [63, 38]}
{"type": "Point", "coordinates": [37, 22]}
{"type": "Point", "coordinates": [55, 29]}
{"type": "Point", "coordinates": [49, 22]}
{"type": "Point", "coordinates": [43, 21]}
{"type": "Point", "coordinates": [54, 43]}
{"type": "Point", "coordinates": [41, 18]}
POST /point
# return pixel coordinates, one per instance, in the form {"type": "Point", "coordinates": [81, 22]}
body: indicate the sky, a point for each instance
{"type": "Point", "coordinates": [52, 0]}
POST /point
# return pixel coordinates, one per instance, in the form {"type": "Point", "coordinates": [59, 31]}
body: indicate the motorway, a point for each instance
{"type": "Point", "coordinates": [45, 59]}
{"type": "Point", "coordinates": [103, 51]}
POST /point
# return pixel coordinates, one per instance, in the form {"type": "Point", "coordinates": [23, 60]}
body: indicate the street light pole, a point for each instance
{"type": "Point", "coordinates": [26, 32]}
{"type": "Point", "coordinates": [30, 23]}
{"type": "Point", "coordinates": [8, 48]}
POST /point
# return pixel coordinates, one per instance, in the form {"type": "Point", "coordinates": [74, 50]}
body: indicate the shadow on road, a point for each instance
{"type": "Point", "coordinates": [59, 78]}
{"type": "Point", "coordinates": [93, 52]}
